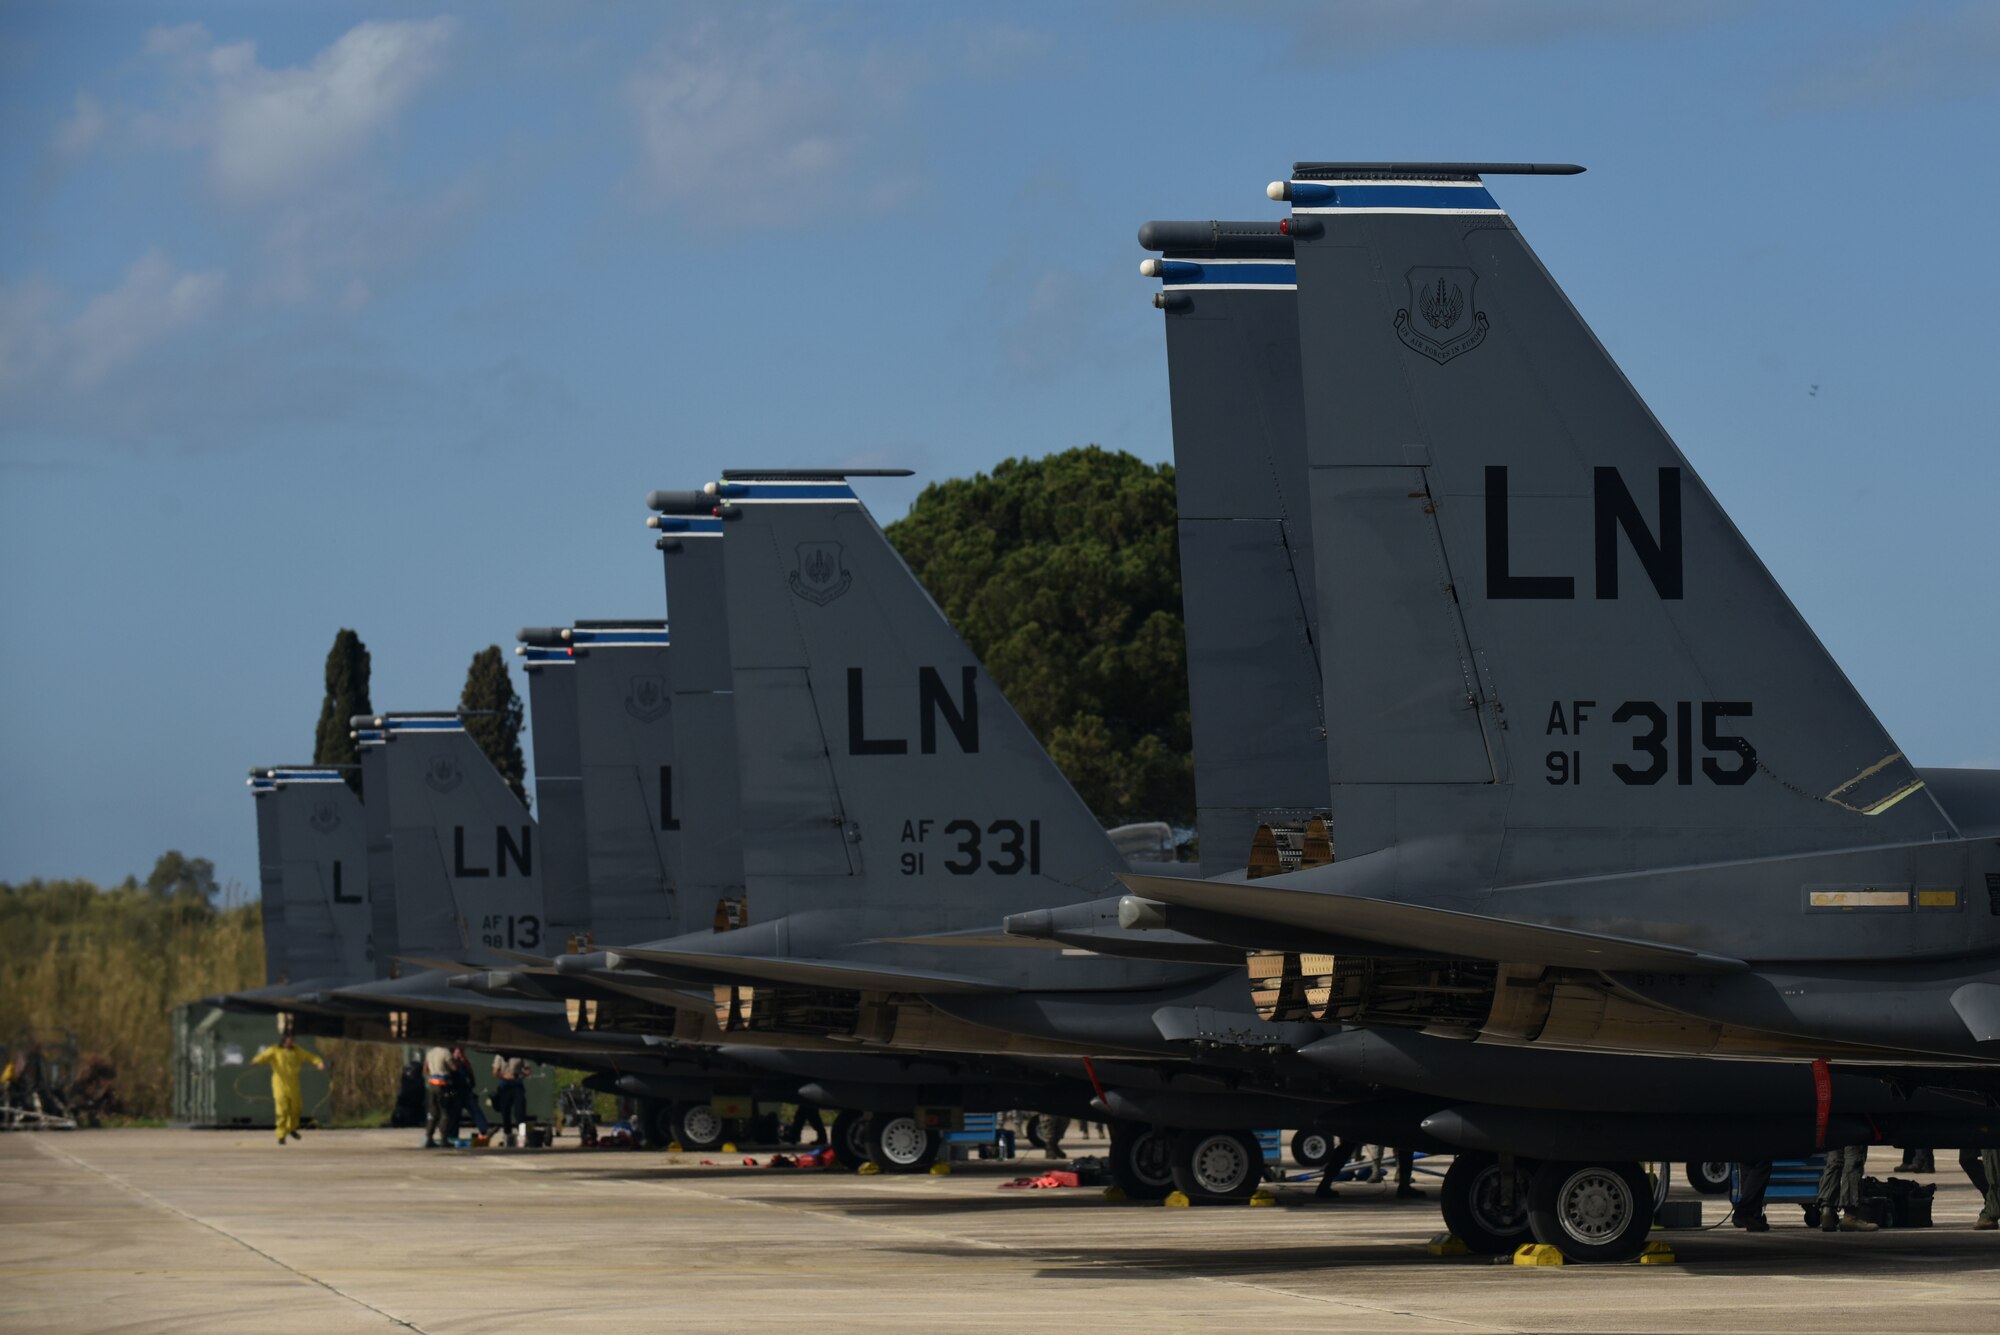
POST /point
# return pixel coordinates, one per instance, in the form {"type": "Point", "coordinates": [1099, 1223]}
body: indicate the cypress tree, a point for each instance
{"type": "Point", "coordinates": [347, 667]}
{"type": "Point", "coordinates": [496, 716]}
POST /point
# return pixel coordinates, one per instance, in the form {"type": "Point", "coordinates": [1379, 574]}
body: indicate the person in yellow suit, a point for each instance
{"type": "Point", "coordinates": [285, 1061]}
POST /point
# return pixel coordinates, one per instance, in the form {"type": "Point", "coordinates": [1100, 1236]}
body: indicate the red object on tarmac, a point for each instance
{"type": "Point", "coordinates": [1055, 1177]}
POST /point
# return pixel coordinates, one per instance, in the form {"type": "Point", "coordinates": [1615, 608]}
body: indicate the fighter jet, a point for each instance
{"type": "Point", "coordinates": [1592, 780]}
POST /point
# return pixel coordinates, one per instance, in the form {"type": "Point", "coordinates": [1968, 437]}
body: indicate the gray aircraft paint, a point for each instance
{"type": "Point", "coordinates": [552, 715]}
{"type": "Point", "coordinates": [461, 849]}
{"type": "Point", "coordinates": [1245, 531]}
{"type": "Point", "coordinates": [625, 744]}
{"type": "Point", "coordinates": [709, 801]}
{"type": "Point", "coordinates": [1476, 651]}
{"type": "Point", "coordinates": [884, 731]}
{"type": "Point", "coordinates": [1503, 534]}
{"type": "Point", "coordinates": [313, 874]}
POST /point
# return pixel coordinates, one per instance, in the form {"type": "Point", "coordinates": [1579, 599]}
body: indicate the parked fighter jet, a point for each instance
{"type": "Point", "coordinates": [1606, 790]}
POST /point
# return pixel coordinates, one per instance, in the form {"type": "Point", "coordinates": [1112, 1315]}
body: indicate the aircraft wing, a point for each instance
{"type": "Point", "coordinates": [836, 974]}
{"type": "Point", "coordinates": [1430, 930]}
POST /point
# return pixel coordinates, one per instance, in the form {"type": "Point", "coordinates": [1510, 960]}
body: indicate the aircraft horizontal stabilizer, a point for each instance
{"type": "Point", "coordinates": [971, 936]}
{"type": "Point", "coordinates": [1429, 930]}
{"type": "Point", "coordinates": [439, 963]}
{"type": "Point", "coordinates": [834, 974]}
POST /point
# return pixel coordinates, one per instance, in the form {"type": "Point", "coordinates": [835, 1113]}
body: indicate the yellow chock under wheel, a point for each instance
{"type": "Point", "coordinates": [940, 1169]}
{"type": "Point", "coordinates": [1178, 1199]}
{"type": "Point", "coordinates": [1537, 1253]}
{"type": "Point", "coordinates": [1658, 1253]}
{"type": "Point", "coordinates": [1447, 1244]}
{"type": "Point", "coordinates": [729, 1147]}
{"type": "Point", "coordinates": [675, 1147]}
{"type": "Point", "coordinates": [1262, 1197]}
{"type": "Point", "coordinates": [869, 1168]}
{"type": "Point", "coordinates": [1114, 1194]}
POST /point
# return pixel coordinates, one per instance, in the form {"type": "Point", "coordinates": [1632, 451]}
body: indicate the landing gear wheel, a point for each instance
{"type": "Point", "coordinates": [901, 1143]}
{"type": "Point", "coordinates": [1591, 1212]}
{"type": "Point", "coordinates": [849, 1137]}
{"type": "Point", "coordinates": [1217, 1165]}
{"type": "Point", "coordinates": [1311, 1147]}
{"type": "Point", "coordinates": [1142, 1161]}
{"type": "Point", "coordinates": [1710, 1179]}
{"type": "Point", "coordinates": [697, 1127]}
{"type": "Point", "coordinates": [1478, 1207]}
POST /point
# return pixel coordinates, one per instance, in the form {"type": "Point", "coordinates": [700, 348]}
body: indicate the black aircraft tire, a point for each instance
{"type": "Point", "coordinates": [697, 1127]}
{"type": "Point", "coordinates": [899, 1143]}
{"type": "Point", "coordinates": [1473, 1203]}
{"type": "Point", "coordinates": [1710, 1179]}
{"type": "Point", "coordinates": [1217, 1165]}
{"type": "Point", "coordinates": [1311, 1147]}
{"type": "Point", "coordinates": [656, 1123]}
{"type": "Point", "coordinates": [1595, 1213]}
{"type": "Point", "coordinates": [849, 1137]}
{"type": "Point", "coordinates": [1142, 1161]}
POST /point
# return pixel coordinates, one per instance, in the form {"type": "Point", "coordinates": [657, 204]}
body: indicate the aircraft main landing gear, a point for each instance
{"type": "Point", "coordinates": [849, 1138]}
{"type": "Point", "coordinates": [1711, 1178]}
{"type": "Point", "coordinates": [1483, 1207]}
{"type": "Point", "coordinates": [1592, 1212]}
{"type": "Point", "coordinates": [901, 1143]}
{"type": "Point", "coordinates": [696, 1126]}
{"type": "Point", "coordinates": [1142, 1161]}
{"type": "Point", "coordinates": [1217, 1165]}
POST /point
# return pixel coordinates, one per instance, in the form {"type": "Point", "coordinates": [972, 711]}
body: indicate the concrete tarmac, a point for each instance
{"type": "Point", "coordinates": [218, 1231]}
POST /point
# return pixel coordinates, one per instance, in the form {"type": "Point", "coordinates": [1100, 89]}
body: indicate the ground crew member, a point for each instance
{"type": "Point", "coordinates": [285, 1060]}
{"type": "Point", "coordinates": [510, 1096]}
{"type": "Point", "coordinates": [467, 1086]}
{"type": "Point", "coordinates": [441, 1099]}
{"type": "Point", "coordinates": [1756, 1184]}
{"type": "Point", "coordinates": [1840, 1191]}
{"type": "Point", "coordinates": [1052, 1129]}
{"type": "Point", "coordinates": [806, 1115]}
{"type": "Point", "coordinates": [1987, 1179]}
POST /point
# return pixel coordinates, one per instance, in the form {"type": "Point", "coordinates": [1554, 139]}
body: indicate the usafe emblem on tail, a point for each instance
{"type": "Point", "coordinates": [442, 773]}
{"type": "Point", "coordinates": [1441, 321]}
{"type": "Point", "coordinates": [821, 577]}
{"type": "Point", "coordinates": [646, 697]}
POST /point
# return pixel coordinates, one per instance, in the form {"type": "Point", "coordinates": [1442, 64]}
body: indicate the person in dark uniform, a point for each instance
{"type": "Point", "coordinates": [1840, 1191]}
{"type": "Point", "coordinates": [807, 1115]}
{"type": "Point", "coordinates": [1755, 1183]}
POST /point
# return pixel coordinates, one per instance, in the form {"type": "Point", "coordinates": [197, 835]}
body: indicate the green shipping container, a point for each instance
{"type": "Point", "coordinates": [216, 1085]}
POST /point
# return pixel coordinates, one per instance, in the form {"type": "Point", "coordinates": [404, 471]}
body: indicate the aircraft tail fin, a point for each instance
{"type": "Point", "coordinates": [940, 784]}
{"type": "Point", "coordinates": [1229, 292]}
{"type": "Point", "coordinates": [1556, 637]}
{"type": "Point", "coordinates": [462, 852]}
{"type": "Point", "coordinates": [313, 873]}
{"type": "Point", "coordinates": [552, 713]}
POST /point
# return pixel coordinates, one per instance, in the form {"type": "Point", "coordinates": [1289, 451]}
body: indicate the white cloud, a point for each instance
{"type": "Point", "coordinates": [41, 354]}
{"type": "Point", "coordinates": [724, 104]}
{"type": "Point", "coordinates": [80, 132]}
{"type": "Point", "coordinates": [278, 131]}
{"type": "Point", "coordinates": [272, 135]}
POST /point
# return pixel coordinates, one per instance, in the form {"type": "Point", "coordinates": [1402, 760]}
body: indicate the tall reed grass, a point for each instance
{"type": "Point", "coordinates": [109, 966]}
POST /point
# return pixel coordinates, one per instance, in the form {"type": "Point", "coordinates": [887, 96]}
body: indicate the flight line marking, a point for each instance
{"type": "Point", "coordinates": [150, 1199]}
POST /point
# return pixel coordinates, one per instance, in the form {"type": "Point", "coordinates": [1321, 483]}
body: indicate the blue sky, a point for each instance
{"type": "Point", "coordinates": [389, 316]}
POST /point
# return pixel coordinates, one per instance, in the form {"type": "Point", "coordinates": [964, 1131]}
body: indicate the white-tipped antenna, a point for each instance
{"type": "Point", "coordinates": [1278, 190]}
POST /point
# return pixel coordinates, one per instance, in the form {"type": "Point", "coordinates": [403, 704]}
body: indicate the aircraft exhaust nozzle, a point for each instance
{"type": "Point", "coordinates": [1142, 915]}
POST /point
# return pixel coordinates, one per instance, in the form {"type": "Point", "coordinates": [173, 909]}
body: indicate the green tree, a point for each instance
{"type": "Point", "coordinates": [182, 880]}
{"type": "Point", "coordinates": [1063, 575]}
{"type": "Point", "coordinates": [496, 712]}
{"type": "Point", "coordinates": [347, 668]}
